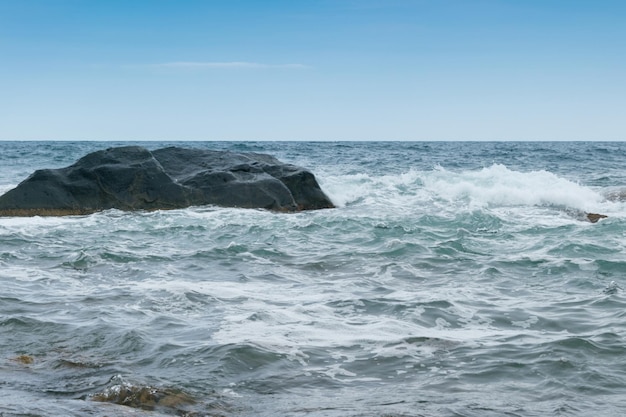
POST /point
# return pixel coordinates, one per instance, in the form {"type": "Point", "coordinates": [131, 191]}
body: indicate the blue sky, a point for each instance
{"type": "Point", "coordinates": [313, 70]}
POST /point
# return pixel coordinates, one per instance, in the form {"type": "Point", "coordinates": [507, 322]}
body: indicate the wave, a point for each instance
{"type": "Point", "coordinates": [499, 186]}
{"type": "Point", "coordinates": [489, 187]}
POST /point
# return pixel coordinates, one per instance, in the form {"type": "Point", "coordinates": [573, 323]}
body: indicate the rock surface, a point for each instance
{"type": "Point", "coordinates": [594, 217]}
{"type": "Point", "coordinates": [133, 178]}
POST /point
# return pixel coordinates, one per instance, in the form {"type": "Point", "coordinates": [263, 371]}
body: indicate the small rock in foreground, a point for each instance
{"type": "Point", "coordinates": [594, 217]}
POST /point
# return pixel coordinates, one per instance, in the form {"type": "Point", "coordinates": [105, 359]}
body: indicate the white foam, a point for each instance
{"type": "Point", "coordinates": [491, 187]}
{"type": "Point", "coordinates": [346, 189]}
{"type": "Point", "coordinates": [388, 189]}
{"type": "Point", "coordinates": [499, 186]}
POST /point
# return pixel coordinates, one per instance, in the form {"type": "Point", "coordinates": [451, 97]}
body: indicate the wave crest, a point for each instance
{"type": "Point", "coordinates": [493, 186]}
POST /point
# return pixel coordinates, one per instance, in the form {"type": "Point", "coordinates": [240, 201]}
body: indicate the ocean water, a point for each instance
{"type": "Point", "coordinates": [452, 279]}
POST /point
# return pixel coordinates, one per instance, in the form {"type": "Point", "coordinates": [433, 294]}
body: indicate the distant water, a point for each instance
{"type": "Point", "coordinates": [453, 279]}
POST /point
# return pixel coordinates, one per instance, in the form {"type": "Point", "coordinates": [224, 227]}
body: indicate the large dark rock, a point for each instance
{"type": "Point", "coordinates": [133, 178]}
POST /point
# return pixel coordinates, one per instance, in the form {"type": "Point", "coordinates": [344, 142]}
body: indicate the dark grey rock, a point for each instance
{"type": "Point", "coordinates": [133, 178]}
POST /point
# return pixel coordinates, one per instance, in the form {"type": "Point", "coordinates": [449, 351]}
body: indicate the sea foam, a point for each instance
{"type": "Point", "coordinates": [498, 185]}
{"type": "Point", "coordinates": [493, 186]}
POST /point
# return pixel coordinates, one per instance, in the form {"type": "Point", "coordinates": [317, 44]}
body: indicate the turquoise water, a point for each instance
{"type": "Point", "coordinates": [452, 279]}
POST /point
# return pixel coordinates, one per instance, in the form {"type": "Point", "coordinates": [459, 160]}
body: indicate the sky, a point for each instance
{"type": "Point", "coordinates": [411, 70]}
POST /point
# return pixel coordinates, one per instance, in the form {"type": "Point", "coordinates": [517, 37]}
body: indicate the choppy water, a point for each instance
{"type": "Point", "coordinates": [453, 279]}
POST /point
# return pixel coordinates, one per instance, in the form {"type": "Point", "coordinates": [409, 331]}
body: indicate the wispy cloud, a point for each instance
{"type": "Point", "coordinates": [227, 65]}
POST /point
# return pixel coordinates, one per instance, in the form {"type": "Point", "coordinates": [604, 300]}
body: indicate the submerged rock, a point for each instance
{"type": "Point", "coordinates": [24, 359]}
{"type": "Point", "coordinates": [144, 397]}
{"type": "Point", "coordinates": [133, 178]}
{"type": "Point", "coordinates": [166, 400]}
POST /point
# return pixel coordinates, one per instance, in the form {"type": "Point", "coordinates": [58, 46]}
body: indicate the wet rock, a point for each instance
{"type": "Point", "coordinates": [24, 359]}
{"type": "Point", "coordinates": [165, 400]}
{"type": "Point", "coordinates": [143, 397]}
{"type": "Point", "coordinates": [133, 178]}
{"type": "Point", "coordinates": [584, 216]}
{"type": "Point", "coordinates": [594, 217]}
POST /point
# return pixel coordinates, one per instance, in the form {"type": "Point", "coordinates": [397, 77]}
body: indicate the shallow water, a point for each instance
{"type": "Point", "coordinates": [453, 279]}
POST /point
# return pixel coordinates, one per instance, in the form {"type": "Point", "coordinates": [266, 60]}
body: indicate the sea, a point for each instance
{"type": "Point", "coordinates": [451, 279]}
